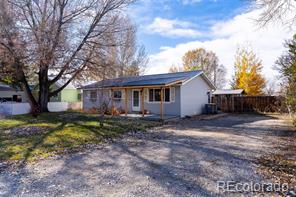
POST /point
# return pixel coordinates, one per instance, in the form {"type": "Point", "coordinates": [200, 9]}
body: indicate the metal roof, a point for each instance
{"type": "Point", "coordinates": [145, 80]}
{"type": "Point", "coordinates": [6, 88]}
{"type": "Point", "coordinates": [219, 92]}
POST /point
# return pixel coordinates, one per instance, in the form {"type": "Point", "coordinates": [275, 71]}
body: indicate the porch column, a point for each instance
{"type": "Point", "coordinates": [126, 101]}
{"type": "Point", "coordinates": [161, 103]}
{"type": "Point", "coordinates": [112, 104]}
{"type": "Point", "coordinates": [142, 102]}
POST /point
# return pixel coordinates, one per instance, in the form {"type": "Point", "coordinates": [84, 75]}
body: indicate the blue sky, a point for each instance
{"type": "Point", "coordinates": [200, 13]}
{"type": "Point", "coordinates": [169, 28]}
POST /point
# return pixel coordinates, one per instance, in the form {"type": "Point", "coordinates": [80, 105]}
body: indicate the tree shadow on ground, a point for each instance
{"type": "Point", "coordinates": [181, 163]}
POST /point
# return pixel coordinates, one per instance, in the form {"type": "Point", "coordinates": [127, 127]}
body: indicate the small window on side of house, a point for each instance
{"type": "Point", "coordinates": [93, 96]}
{"type": "Point", "coordinates": [117, 95]}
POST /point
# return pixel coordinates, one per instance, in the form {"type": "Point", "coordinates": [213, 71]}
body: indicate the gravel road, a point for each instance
{"type": "Point", "coordinates": [181, 159]}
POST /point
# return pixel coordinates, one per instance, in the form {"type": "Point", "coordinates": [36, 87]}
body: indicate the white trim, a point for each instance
{"type": "Point", "coordinates": [205, 78]}
{"type": "Point", "coordinates": [188, 80]}
{"type": "Point", "coordinates": [208, 81]}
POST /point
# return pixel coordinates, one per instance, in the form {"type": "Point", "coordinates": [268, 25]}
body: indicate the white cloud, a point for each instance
{"type": "Point", "coordinates": [226, 37]}
{"type": "Point", "coordinates": [164, 48]}
{"type": "Point", "coordinates": [188, 2]}
{"type": "Point", "coordinates": [172, 28]}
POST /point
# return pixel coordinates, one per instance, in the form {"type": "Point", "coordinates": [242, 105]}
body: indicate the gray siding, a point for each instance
{"type": "Point", "coordinates": [194, 96]}
{"type": "Point", "coordinates": [172, 108]}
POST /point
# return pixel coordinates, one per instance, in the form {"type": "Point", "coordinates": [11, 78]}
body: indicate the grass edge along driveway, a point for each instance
{"type": "Point", "coordinates": [24, 138]}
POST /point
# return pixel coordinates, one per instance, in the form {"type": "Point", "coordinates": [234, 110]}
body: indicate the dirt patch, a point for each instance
{"type": "Point", "coordinates": [27, 131]}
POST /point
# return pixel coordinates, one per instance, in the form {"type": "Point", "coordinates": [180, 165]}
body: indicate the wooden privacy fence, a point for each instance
{"type": "Point", "coordinates": [250, 103]}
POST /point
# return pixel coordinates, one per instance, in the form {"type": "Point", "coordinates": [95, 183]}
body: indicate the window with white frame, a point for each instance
{"type": "Point", "coordinates": [93, 96]}
{"type": "Point", "coordinates": [117, 95]}
{"type": "Point", "coordinates": [155, 95]}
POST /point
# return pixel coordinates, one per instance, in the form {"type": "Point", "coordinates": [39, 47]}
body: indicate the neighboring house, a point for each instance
{"type": "Point", "coordinates": [14, 101]}
{"type": "Point", "coordinates": [175, 94]}
{"type": "Point", "coordinates": [10, 94]}
{"type": "Point", "coordinates": [69, 94]}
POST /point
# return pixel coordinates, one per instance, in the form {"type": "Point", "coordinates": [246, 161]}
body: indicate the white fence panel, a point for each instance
{"type": "Point", "coordinates": [5, 109]}
{"type": "Point", "coordinates": [24, 108]}
{"type": "Point", "coordinates": [20, 108]}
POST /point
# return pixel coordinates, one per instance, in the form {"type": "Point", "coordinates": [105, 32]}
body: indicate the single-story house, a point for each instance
{"type": "Point", "coordinates": [174, 94]}
{"type": "Point", "coordinates": [10, 94]}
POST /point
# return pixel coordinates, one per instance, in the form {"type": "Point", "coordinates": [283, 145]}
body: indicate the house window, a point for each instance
{"type": "Point", "coordinates": [117, 95]}
{"type": "Point", "coordinates": [17, 98]}
{"type": "Point", "coordinates": [93, 96]}
{"type": "Point", "coordinates": [155, 95]}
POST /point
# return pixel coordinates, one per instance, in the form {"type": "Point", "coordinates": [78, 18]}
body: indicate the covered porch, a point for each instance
{"type": "Point", "coordinates": [136, 101]}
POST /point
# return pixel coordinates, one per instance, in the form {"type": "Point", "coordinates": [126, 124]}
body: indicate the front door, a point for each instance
{"type": "Point", "coordinates": [136, 100]}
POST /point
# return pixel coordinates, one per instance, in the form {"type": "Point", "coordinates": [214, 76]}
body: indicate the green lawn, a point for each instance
{"type": "Point", "coordinates": [56, 132]}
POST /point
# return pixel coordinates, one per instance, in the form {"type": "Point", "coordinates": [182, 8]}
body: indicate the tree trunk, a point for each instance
{"type": "Point", "coordinates": [43, 90]}
{"type": "Point", "coordinates": [20, 76]}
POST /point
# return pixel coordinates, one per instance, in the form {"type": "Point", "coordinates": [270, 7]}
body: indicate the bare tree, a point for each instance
{"type": "Point", "coordinates": [125, 58]}
{"type": "Point", "coordinates": [174, 69]}
{"type": "Point", "coordinates": [220, 73]}
{"type": "Point", "coordinates": [57, 36]}
{"type": "Point", "coordinates": [283, 11]}
{"type": "Point", "coordinates": [200, 59]}
{"type": "Point", "coordinates": [286, 66]}
{"type": "Point", "coordinates": [270, 88]}
{"type": "Point", "coordinates": [128, 58]}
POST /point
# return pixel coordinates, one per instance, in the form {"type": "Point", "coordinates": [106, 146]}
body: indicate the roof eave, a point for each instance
{"type": "Point", "coordinates": [204, 77]}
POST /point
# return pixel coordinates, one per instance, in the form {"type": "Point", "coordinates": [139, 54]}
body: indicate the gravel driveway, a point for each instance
{"type": "Point", "coordinates": [182, 159]}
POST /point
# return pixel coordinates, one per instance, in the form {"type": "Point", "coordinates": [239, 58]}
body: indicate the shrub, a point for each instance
{"type": "Point", "coordinates": [93, 111]}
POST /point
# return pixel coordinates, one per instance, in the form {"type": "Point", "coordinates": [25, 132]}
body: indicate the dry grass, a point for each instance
{"type": "Point", "coordinates": [281, 166]}
{"type": "Point", "coordinates": [60, 131]}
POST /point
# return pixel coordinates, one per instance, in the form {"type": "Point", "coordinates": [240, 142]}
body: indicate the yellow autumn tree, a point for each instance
{"type": "Point", "coordinates": [248, 74]}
